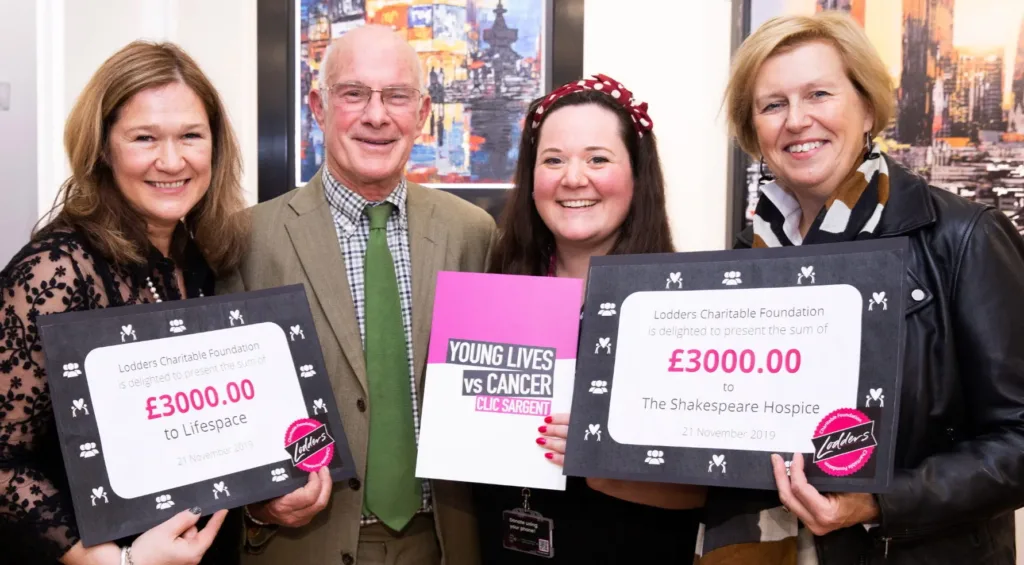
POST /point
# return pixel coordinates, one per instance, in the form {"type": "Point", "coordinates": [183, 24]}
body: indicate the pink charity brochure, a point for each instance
{"type": "Point", "coordinates": [502, 357]}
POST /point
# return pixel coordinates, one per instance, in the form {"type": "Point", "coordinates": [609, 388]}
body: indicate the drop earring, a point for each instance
{"type": "Point", "coordinates": [765, 176]}
{"type": "Point", "coordinates": [869, 148]}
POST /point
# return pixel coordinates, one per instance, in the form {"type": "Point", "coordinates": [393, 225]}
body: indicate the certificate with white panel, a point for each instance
{"type": "Point", "coordinates": [715, 360]}
{"type": "Point", "coordinates": [213, 402]}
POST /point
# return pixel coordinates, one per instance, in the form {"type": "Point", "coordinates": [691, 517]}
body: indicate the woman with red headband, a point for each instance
{"type": "Point", "coordinates": [588, 183]}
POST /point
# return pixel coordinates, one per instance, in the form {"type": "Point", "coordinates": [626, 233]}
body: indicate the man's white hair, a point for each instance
{"type": "Point", "coordinates": [329, 53]}
{"type": "Point", "coordinates": [322, 74]}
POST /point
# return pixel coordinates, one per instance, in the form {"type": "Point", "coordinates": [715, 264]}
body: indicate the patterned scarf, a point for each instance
{"type": "Point", "coordinates": [745, 526]}
{"type": "Point", "coordinates": [851, 213]}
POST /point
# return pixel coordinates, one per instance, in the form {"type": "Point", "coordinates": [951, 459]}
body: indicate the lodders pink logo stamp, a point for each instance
{"type": "Point", "coordinates": [309, 444]}
{"type": "Point", "coordinates": [844, 442]}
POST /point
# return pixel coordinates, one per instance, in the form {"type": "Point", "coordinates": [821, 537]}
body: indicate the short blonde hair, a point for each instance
{"type": "Point", "coordinates": [864, 68]}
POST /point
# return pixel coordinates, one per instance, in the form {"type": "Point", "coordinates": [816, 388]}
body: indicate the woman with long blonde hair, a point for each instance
{"type": "Point", "coordinates": [149, 214]}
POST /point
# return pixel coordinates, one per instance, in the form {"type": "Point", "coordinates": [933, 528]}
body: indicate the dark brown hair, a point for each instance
{"type": "Point", "coordinates": [90, 202]}
{"type": "Point", "coordinates": [525, 244]}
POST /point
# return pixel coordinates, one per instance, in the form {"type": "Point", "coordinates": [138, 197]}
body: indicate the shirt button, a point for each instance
{"type": "Point", "coordinates": [347, 559]}
{"type": "Point", "coordinates": [354, 484]}
{"type": "Point", "coordinates": [917, 295]}
{"type": "Point", "coordinates": [361, 405]}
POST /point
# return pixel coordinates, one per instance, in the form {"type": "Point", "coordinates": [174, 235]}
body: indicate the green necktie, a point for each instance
{"type": "Point", "coordinates": [393, 493]}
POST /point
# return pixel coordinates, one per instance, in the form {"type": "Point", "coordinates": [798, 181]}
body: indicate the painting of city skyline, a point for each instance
{"type": "Point", "coordinates": [958, 71]}
{"type": "Point", "coordinates": [483, 61]}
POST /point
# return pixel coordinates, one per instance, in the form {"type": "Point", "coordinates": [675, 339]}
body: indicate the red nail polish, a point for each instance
{"type": "Point", "coordinates": [547, 420]}
{"type": "Point", "coordinates": [541, 441]}
{"type": "Point", "coordinates": [542, 429]}
{"type": "Point", "coordinates": [549, 455]}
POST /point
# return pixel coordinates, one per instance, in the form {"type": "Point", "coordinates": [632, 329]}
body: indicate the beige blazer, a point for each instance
{"type": "Point", "coordinates": [294, 241]}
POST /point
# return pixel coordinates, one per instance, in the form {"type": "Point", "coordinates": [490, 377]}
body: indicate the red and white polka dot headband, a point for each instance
{"type": "Point", "coordinates": [611, 87]}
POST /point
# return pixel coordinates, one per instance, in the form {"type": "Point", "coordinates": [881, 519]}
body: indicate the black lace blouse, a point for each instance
{"type": "Point", "coordinates": [59, 272]}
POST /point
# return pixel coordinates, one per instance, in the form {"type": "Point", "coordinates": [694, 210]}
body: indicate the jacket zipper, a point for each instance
{"type": "Point", "coordinates": [907, 534]}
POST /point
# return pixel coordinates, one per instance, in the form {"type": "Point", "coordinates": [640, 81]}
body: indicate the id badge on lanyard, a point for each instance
{"type": "Point", "coordinates": [527, 530]}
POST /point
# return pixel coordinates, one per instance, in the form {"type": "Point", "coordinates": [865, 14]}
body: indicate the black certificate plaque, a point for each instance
{"type": "Point", "coordinates": [694, 367]}
{"type": "Point", "coordinates": [212, 402]}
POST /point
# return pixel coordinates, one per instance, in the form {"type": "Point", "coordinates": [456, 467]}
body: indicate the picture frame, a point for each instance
{"type": "Point", "coordinates": [279, 99]}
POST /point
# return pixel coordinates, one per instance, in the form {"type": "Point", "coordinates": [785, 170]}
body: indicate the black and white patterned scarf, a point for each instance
{"type": "Point", "coordinates": [749, 526]}
{"type": "Point", "coordinates": [851, 213]}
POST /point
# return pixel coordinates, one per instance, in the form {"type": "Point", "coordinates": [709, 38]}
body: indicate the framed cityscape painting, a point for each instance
{"type": "Point", "coordinates": [958, 71]}
{"type": "Point", "coordinates": [482, 63]}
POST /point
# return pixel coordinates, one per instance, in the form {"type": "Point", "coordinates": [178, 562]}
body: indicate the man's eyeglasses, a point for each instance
{"type": "Point", "coordinates": [354, 97]}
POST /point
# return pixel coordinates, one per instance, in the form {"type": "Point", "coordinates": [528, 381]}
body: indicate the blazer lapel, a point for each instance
{"type": "Point", "coordinates": [427, 242]}
{"type": "Point", "coordinates": [315, 240]}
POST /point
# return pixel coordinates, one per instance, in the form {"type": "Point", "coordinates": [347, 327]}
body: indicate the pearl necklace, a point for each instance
{"type": "Point", "coordinates": [156, 295]}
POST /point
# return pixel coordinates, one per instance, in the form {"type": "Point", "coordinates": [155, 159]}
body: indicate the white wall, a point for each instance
{"type": "Point", "coordinates": [17, 124]}
{"type": "Point", "coordinates": [674, 55]}
{"type": "Point", "coordinates": [1020, 537]}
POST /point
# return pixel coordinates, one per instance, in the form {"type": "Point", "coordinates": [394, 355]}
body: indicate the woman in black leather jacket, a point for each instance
{"type": "Point", "coordinates": [807, 95]}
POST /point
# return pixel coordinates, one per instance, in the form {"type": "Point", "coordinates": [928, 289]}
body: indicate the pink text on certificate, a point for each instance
{"type": "Point", "coordinates": [506, 405]}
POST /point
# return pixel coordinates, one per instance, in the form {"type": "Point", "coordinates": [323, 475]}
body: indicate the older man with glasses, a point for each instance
{"type": "Point", "coordinates": [367, 245]}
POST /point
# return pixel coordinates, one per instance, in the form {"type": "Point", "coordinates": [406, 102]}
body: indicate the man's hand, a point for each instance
{"type": "Point", "coordinates": [297, 508]}
{"type": "Point", "coordinates": [820, 513]}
